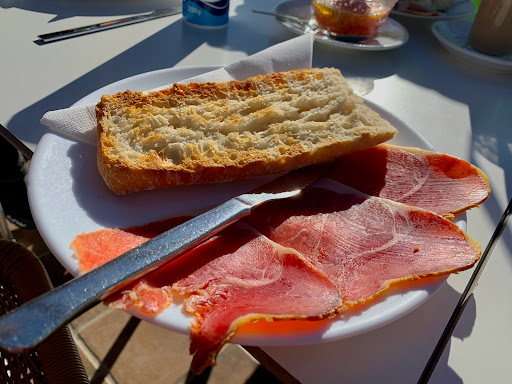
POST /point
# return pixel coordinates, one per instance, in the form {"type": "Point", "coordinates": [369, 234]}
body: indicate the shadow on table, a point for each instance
{"type": "Point", "coordinates": [164, 49]}
{"type": "Point", "coordinates": [396, 353]}
{"type": "Point", "coordinates": [63, 9]}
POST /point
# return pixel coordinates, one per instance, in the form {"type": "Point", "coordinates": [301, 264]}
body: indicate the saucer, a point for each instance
{"type": "Point", "coordinates": [459, 9]}
{"type": "Point", "coordinates": [390, 35]}
{"type": "Point", "coordinates": [453, 35]}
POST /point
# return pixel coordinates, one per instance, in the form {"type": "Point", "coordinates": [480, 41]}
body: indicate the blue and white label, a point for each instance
{"type": "Point", "coordinates": [206, 13]}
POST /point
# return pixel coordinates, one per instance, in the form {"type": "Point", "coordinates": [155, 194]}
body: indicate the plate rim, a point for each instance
{"type": "Point", "coordinates": [418, 297]}
{"type": "Point", "coordinates": [432, 18]}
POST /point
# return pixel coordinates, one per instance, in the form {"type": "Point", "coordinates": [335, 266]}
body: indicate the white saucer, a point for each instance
{"type": "Point", "coordinates": [459, 9]}
{"type": "Point", "coordinates": [453, 35]}
{"type": "Point", "coordinates": [390, 35]}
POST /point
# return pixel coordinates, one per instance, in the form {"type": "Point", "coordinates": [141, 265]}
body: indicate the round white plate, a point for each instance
{"type": "Point", "coordinates": [453, 35]}
{"type": "Point", "coordinates": [459, 9]}
{"type": "Point", "coordinates": [67, 197]}
{"type": "Point", "coordinates": [390, 35]}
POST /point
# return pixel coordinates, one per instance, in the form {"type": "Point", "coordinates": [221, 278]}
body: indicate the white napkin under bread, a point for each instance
{"type": "Point", "coordinates": [79, 122]}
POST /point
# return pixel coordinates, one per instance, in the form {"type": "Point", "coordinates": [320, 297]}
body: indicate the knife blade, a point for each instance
{"type": "Point", "coordinates": [79, 31]}
{"type": "Point", "coordinates": [32, 322]}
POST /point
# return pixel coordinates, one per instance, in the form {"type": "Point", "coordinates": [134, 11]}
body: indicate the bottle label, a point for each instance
{"type": "Point", "coordinates": [206, 13]}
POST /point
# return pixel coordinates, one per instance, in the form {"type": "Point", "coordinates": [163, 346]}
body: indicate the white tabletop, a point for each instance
{"type": "Point", "coordinates": [461, 109]}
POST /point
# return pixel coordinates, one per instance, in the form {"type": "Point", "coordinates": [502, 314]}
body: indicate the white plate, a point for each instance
{"type": "Point", "coordinates": [459, 9]}
{"type": "Point", "coordinates": [390, 35]}
{"type": "Point", "coordinates": [67, 197]}
{"type": "Point", "coordinates": [453, 35]}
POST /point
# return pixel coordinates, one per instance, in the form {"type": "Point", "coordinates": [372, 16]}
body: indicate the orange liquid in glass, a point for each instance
{"type": "Point", "coordinates": [353, 17]}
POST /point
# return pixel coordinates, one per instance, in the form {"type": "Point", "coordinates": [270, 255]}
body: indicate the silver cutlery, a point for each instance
{"type": "Point", "coordinates": [29, 324]}
{"type": "Point", "coordinates": [79, 31]}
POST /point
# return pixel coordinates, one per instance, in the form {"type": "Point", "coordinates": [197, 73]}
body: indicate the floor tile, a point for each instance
{"type": "Point", "coordinates": [234, 365]}
{"type": "Point", "coordinates": [92, 315]}
{"type": "Point", "coordinates": [137, 352]}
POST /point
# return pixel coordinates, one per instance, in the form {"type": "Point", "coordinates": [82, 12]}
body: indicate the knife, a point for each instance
{"type": "Point", "coordinates": [73, 32]}
{"type": "Point", "coordinates": [32, 322]}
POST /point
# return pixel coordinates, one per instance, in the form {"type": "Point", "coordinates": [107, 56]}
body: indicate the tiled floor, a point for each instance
{"type": "Point", "coordinates": [118, 348]}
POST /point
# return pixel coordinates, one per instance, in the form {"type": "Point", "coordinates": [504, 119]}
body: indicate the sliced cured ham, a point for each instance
{"type": "Point", "coordinates": [304, 258]}
{"type": "Point", "coordinates": [436, 182]}
{"type": "Point", "coordinates": [364, 244]}
{"type": "Point", "coordinates": [152, 293]}
{"type": "Point", "coordinates": [97, 248]}
{"type": "Point", "coordinates": [232, 279]}
{"type": "Point", "coordinates": [258, 280]}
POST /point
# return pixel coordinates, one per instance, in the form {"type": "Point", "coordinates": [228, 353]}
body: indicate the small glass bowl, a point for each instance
{"type": "Point", "coordinates": [352, 17]}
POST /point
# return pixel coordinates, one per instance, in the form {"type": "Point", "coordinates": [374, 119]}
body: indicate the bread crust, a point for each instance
{"type": "Point", "coordinates": [218, 132]}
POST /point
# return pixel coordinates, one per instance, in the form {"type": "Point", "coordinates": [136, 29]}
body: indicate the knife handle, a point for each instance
{"type": "Point", "coordinates": [29, 324]}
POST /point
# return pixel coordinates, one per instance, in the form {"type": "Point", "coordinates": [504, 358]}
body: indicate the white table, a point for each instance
{"type": "Point", "coordinates": [462, 110]}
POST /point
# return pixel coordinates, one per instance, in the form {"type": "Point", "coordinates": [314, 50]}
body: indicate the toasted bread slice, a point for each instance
{"type": "Point", "coordinates": [217, 132]}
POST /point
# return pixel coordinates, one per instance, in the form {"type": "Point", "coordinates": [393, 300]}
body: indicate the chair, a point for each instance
{"type": "Point", "coordinates": [23, 277]}
{"type": "Point", "coordinates": [55, 360]}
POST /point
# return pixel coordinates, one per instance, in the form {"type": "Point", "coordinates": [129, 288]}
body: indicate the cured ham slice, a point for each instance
{"type": "Point", "coordinates": [256, 279]}
{"type": "Point", "coordinates": [232, 279]}
{"type": "Point", "coordinates": [99, 247]}
{"type": "Point", "coordinates": [436, 182]}
{"type": "Point", "coordinates": [152, 293]}
{"type": "Point", "coordinates": [364, 244]}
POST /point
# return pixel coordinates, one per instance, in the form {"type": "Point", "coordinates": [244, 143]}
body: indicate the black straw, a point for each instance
{"type": "Point", "coordinates": [452, 323]}
{"type": "Point", "coordinates": [16, 143]}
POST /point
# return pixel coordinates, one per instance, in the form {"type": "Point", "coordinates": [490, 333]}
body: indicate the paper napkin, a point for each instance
{"type": "Point", "coordinates": [79, 122]}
